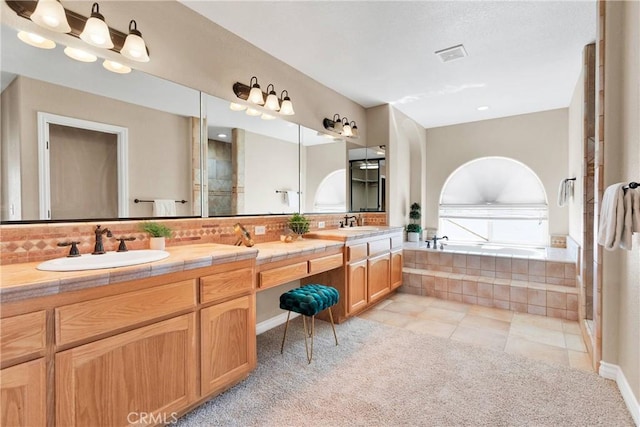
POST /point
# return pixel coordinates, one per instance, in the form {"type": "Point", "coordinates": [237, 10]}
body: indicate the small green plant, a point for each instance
{"type": "Point", "coordinates": [155, 229]}
{"type": "Point", "coordinates": [414, 216]}
{"type": "Point", "coordinates": [299, 224]}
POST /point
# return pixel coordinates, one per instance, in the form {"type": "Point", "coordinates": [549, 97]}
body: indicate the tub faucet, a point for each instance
{"type": "Point", "coordinates": [98, 249]}
{"type": "Point", "coordinates": [435, 241]}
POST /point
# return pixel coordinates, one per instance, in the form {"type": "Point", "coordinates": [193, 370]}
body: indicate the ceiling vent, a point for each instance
{"type": "Point", "coordinates": [451, 53]}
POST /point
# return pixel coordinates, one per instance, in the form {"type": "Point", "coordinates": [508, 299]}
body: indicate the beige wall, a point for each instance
{"type": "Point", "coordinates": [538, 140]}
{"type": "Point", "coordinates": [576, 160]}
{"type": "Point", "coordinates": [621, 277]}
{"type": "Point", "coordinates": [10, 151]}
{"type": "Point", "coordinates": [159, 143]}
{"type": "Point", "coordinates": [263, 177]}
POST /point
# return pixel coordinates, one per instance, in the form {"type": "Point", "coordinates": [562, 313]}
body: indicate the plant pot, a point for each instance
{"type": "Point", "coordinates": [413, 237]}
{"type": "Point", "coordinates": [157, 243]}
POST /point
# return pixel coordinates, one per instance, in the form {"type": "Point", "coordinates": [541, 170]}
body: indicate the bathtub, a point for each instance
{"type": "Point", "coordinates": [495, 249]}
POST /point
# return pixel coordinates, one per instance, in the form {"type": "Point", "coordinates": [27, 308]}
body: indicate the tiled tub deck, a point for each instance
{"type": "Point", "coordinates": [537, 284]}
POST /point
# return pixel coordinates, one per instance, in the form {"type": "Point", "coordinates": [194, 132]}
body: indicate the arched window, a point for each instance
{"type": "Point", "coordinates": [331, 194]}
{"type": "Point", "coordinates": [494, 200]}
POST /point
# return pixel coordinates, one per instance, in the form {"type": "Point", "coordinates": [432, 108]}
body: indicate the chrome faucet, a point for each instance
{"type": "Point", "coordinates": [98, 249]}
{"type": "Point", "coordinates": [435, 240]}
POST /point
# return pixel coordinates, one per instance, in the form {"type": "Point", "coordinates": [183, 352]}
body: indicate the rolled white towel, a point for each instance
{"type": "Point", "coordinates": [611, 217]}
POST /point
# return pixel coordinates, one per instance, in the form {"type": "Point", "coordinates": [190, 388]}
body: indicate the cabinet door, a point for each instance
{"type": "Point", "coordinates": [228, 343]}
{"type": "Point", "coordinates": [357, 285]}
{"type": "Point", "coordinates": [396, 269]}
{"type": "Point", "coordinates": [23, 394]}
{"type": "Point", "coordinates": [379, 277]}
{"type": "Point", "coordinates": [144, 374]}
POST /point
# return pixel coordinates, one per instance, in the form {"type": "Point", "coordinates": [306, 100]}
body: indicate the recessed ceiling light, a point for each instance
{"type": "Point", "coordinates": [483, 108]}
{"type": "Point", "coordinates": [222, 135]}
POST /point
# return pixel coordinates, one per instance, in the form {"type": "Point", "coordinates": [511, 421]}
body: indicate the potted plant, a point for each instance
{"type": "Point", "coordinates": [298, 224]}
{"type": "Point", "coordinates": [158, 233]}
{"type": "Point", "coordinates": [414, 229]}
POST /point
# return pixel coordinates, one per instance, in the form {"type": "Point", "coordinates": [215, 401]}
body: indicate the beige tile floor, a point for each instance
{"type": "Point", "coordinates": [541, 338]}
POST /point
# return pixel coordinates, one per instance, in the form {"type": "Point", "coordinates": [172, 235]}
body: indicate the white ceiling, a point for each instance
{"type": "Point", "coordinates": [523, 56]}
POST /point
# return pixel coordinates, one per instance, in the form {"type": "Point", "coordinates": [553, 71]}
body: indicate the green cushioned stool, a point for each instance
{"type": "Point", "coordinates": [309, 300]}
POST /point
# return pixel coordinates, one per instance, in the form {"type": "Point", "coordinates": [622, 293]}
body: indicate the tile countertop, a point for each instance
{"type": "Point", "coordinates": [353, 233]}
{"type": "Point", "coordinates": [277, 251]}
{"type": "Point", "coordinates": [21, 281]}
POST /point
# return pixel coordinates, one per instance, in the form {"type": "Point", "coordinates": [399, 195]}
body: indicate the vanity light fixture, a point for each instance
{"type": "Point", "coordinates": [96, 32]}
{"type": "Point", "coordinates": [255, 94]}
{"type": "Point", "coordinates": [287, 106]}
{"type": "Point", "coordinates": [50, 14]}
{"type": "Point", "coordinates": [79, 55]}
{"type": "Point", "coordinates": [116, 67]}
{"type": "Point", "coordinates": [35, 40]}
{"type": "Point", "coordinates": [134, 47]}
{"type": "Point", "coordinates": [341, 126]}
{"type": "Point", "coordinates": [272, 102]}
{"type": "Point", "coordinates": [367, 165]}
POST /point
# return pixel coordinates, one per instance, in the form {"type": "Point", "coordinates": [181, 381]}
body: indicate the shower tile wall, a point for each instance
{"type": "Point", "coordinates": [219, 171]}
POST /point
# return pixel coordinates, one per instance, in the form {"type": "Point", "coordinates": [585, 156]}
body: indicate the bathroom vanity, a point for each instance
{"type": "Point", "coordinates": [150, 342]}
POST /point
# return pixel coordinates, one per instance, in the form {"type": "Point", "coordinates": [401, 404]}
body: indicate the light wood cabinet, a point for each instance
{"type": "Point", "coordinates": [396, 269]}
{"type": "Point", "coordinates": [357, 286]}
{"type": "Point", "coordinates": [279, 275]}
{"type": "Point", "coordinates": [22, 336]}
{"type": "Point", "coordinates": [111, 382]}
{"type": "Point", "coordinates": [378, 284]}
{"type": "Point", "coordinates": [227, 343]}
{"type": "Point", "coordinates": [23, 394]}
{"type": "Point", "coordinates": [227, 284]}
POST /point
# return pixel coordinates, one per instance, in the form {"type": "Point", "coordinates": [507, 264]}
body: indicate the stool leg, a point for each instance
{"type": "Point", "coordinates": [286, 325]}
{"type": "Point", "coordinates": [332, 326]}
{"type": "Point", "coordinates": [306, 346]}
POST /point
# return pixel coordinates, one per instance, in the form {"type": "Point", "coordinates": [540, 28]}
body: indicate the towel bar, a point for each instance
{"type": "Point", "coordinates": [631, 185]}
{"type": "Point", "coordinates": [151, 201]}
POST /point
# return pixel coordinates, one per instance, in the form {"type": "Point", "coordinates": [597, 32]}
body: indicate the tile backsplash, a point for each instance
{"type": "Point", "coordinates": [38, 242]}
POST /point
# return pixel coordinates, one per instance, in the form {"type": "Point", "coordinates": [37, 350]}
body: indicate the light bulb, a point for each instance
{"type": "Point", "coordinates": [79, 55]}
{"type": "Point", "coordinates": [134, 47]}
{"type": "Point", "coordinates": [50, 14]}
{"type": "Point", "coordinates": [36, 40]}
{"type": "Point", "coordinates": [96, 31]}
{"type": "Point", "coordinates": [116, 67]}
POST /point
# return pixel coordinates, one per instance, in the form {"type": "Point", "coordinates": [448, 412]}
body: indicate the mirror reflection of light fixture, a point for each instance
{"type": "Point", "coordinates": [116, 67]}
{"type": "Point", "coordinates": [51, 15]}
{"type": "Point", "coordinates": [272, 102]}
{"type": "Point", "coordinates": [134, 47]}
{"type": "Point", "coordinates": [253, 112]}
{"type": "Point", "coordinates": [341, 126]}
{"type": "Point", "coordinates": [266, 116]}
{"type": "Point", "coordinates": [79, 55]}
{"type": "Point", "coordinates": [96, 31]}
{"type": "Point", "coordinates": [35, 40]}
{"type": "Point", "coordinates": [234, 106]}
{"type": "Point", "coordinates": [255, 94]}
{"type": "Point", "coordinates": [367, 165]}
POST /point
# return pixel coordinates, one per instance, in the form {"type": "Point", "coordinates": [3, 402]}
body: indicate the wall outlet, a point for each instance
{"type": "Point", "coordinates": [320, 224]}
{"type": "Point", "coordinates": [260, 230]}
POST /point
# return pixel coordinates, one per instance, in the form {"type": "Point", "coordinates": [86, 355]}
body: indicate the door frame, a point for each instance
{"type": "Point", "coordinates": [122, 136]}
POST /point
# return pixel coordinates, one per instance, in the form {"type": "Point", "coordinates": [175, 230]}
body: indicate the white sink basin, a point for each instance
{"type": "Point", "coordinates": [108, 260]}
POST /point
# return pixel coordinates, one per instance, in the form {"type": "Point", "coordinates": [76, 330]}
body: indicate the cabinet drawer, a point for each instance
{"type": "Point", "coordinates": [356, 252]}
{"type": "Point", "coordinates": [227, 284]}
{"type": "Point", "coordinates": [319, 265]}
{"type": "Point", "coordinates": [277, 276]}
{"type": "Point", "coordinates": [396, 241]}
{"type": "Point", "coordinates": [22, 335]}
{"type": "Point", "coordinates": [379, 246]}
{"type": "Point", "coordinates": [90, 318]}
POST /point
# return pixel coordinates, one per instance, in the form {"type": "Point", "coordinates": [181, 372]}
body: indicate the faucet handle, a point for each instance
{"type": "Point", "coordinates": [73, 252]}
{"type": "Point", "coordinates": [123, 247]}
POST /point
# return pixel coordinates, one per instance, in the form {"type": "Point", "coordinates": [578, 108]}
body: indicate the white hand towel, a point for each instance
{"type": "Point", "coordinates": [164, 207]}
{"type": "Point", "coordinates": [611, 217]}
{"type": "Point", "coordinates": [293, 199]}
{"type": "Point", "coordinates": [634, 207]}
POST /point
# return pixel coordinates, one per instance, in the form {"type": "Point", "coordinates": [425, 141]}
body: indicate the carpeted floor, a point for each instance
{"type": "Point", "coordinates": [380, 375]}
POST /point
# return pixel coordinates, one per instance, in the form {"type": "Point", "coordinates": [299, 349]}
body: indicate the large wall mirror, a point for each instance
{"type": "Point", "coordinates": [367, 178]}
{"type": "Point", "coordinates": [81, 142]}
